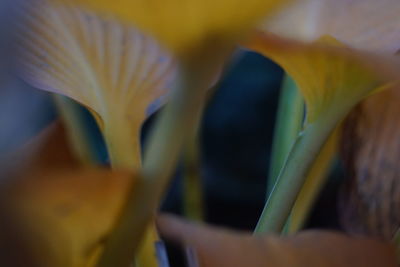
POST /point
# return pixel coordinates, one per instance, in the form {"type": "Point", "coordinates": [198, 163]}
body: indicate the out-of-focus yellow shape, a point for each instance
{"type": "Point", "coordinates": [366, 24]}
{"type": "Point", "coordinates": [54, 211]}
{"type": "Point", "coordinates": [120, 74]}
{"type": "Point", "coordinates": [189, 24]}
{"type": "Point", "coordinates": [331, 77]}
{"type": "Point", "coordinates": [63, 216]}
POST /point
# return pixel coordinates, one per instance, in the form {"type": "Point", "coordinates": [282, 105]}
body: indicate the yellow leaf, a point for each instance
{"type": "Point", "coordinates": [186, 25]}
{"type": "Point", "coordinates": [364, 24]}
{"type": "Point", "coordinates": [331, 77]}
{"type": "Point", "coordinates": [120, 74]}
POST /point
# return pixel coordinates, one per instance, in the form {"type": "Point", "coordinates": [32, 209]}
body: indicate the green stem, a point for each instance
{"type": "Point", "coordinates": [192, 183]}
{"type": "Point", "coordinates": [175, 123]}
{"type": "Point", "coordinates": [316, 179]}
{"type": "Point", "coordinates": [294, 173]}
{"type": "Point", "coordinates": [289, 121]}
{"type": "Point", "coordinates": [123, 145]}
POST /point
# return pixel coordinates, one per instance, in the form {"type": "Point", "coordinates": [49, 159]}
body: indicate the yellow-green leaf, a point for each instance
{"type": "Point", "coordinates": [120, 74]}
{"type": "Point", "coordinates": [331, 77]}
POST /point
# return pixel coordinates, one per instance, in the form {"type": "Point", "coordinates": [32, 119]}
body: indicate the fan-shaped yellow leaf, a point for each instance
{"type": "Point", "coordinates": [330, 77]}
{"type": "Point", "coordinates": [119, 73]}
{"type": "Point", "coordinates": [189, 24]}
{"type": "Point", "coordinates": [366, 24]}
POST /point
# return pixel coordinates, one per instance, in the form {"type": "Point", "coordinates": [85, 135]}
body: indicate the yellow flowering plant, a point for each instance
{"type": "Point", "coordinates": [332, 80]}
{"type": "Point", "coordinates": [124, 59]}
{"type": "Point", "coordinates": [70, 47]}
{"type": "Point", "coordinates": [319, 77]}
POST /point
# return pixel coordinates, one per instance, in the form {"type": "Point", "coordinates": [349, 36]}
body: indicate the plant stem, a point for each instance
{"type": "Point", "coordinates": [146, 255]}
{"type": "Point", "coordinates": [171, 130]}
{"type": "Point", "coordinates": [316, 178]}
{"type": "Point", "coordinates": [124, 152]}
{"type": "Point", "coordinates": [289, 121]}
{"type": "Point", "coordinates": [192, 183]}
{"type": "Point", "coordinates": [294, 173]}
{"type": "Point", "coordinates": [123, 146]}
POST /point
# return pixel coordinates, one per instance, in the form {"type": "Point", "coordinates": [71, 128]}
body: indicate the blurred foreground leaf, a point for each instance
{"type": "Point", "coordinates": [220, 247]}
{"type": "Point", "coordinates": [57, 213]}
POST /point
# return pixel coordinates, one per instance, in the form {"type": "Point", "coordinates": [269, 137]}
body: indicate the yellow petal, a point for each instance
{"type": "Point", "coordinates": [365, 24]}
{"type": "Point", "coordinates": [119, 73]}
{"type": "Point", "coordinates": [185, 25]}
{"type": "Point", "coordinates": [330, 77]}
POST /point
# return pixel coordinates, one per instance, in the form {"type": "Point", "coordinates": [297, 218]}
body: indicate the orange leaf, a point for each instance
{"type": "Point", "coordinates": [59, 213]}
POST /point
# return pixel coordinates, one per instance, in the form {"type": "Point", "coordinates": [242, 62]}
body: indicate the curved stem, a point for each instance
{"type": "Point", "coordinates": [289, 121]}
{"type": "Point", "coordinates": [146, 255]}
{"type": "Point", "coordinates": [123, 145]}
{"type": "Point", "coordinates": [178, 119]}
{"type": "Point", "coordinates": [124, 152]}
{"type": "Point", "coordinates": [316, 179]}
{"type": "Point", "coordinates": [294, 173]}
{"type": "Point", "coordinates": [192, 183]}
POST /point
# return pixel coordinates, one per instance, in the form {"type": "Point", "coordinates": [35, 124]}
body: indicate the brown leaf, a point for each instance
{"type": "Point", "coordinates": [370, 203]}
{"type": "Point", "coordinates": [221, 247]}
